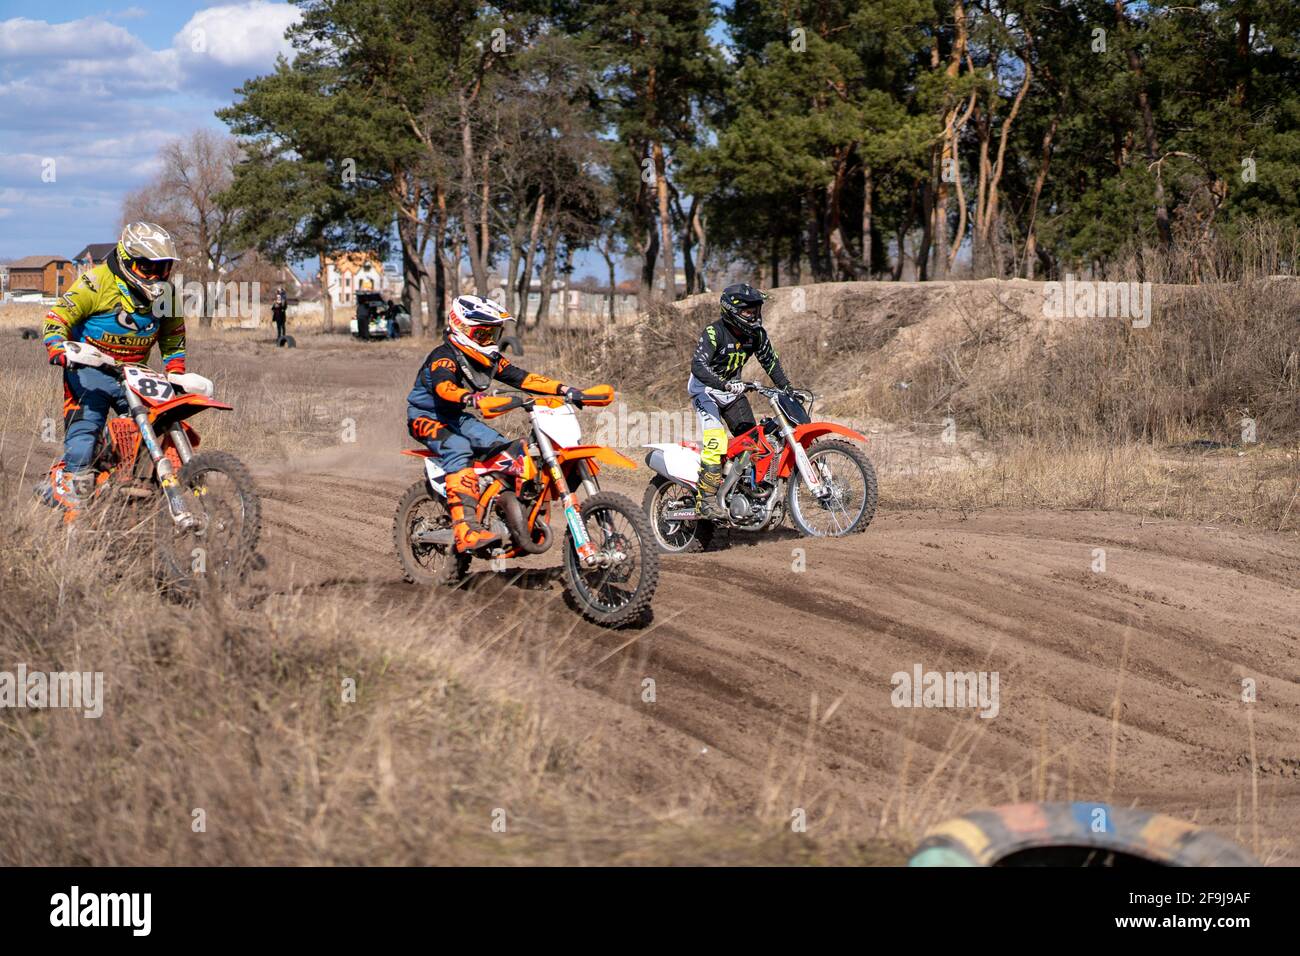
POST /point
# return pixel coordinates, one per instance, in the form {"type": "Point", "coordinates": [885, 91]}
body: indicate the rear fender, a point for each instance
{"type": "Point", "coordinates": [433, 470]}
{"type": "Point", "coordinates": [675, 462]}
{"type": "Point", "coordinates": [805, 435]}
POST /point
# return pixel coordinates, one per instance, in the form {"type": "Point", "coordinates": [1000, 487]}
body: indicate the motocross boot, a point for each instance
{"type": "Point", "coordinates": [706, 492]}
{"type": "Point", "coordinates": [462, 503]}
{"type": "Point", "coordinates": [76, 490]}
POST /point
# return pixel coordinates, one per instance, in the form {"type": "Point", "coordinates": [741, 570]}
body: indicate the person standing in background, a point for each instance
{"type": "Point", "coordinates": [390, 316]}
{"type": "Point", "coordinates": [279, 311]}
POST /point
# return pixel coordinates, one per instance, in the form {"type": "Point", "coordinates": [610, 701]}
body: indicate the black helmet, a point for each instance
{"type": "Point", "coordinates": [742, 307]}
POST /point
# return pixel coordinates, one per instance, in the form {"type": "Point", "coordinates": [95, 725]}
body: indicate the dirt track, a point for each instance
{"type": "Point", "coordinates": [743, 648]}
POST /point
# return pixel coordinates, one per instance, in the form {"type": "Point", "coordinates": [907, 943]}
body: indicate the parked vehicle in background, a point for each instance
{"type": "Point", "coordinates": [378, 318]}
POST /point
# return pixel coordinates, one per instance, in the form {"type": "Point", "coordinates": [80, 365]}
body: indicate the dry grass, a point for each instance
{"type": "Point", "coordinates": [22, 315]}
{"type": "Point", "coordinates": [1258, 488]}
{"type": "Point", "coordinates": [1080, 413]}
{"type": "Point", "coordinates": [1213, 356]}
{"type": "Point", "coordinates": [240, 712]}
{"type": "Point", "coordinates": [1215, 353]}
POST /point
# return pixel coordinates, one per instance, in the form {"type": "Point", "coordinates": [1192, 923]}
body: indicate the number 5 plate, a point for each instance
{"type": "Point", "coordinates": [148, 384]}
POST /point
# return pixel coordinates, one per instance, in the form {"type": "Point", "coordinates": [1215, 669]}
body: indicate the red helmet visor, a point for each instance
{"type": "Point", "coordinates": [152, 270]}
{"type": "Point", "coordinates": [485, 334]}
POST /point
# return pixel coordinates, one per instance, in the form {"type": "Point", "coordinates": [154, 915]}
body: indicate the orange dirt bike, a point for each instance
{"type": "Point", "coordinates": [203, 506]}
{"type": "Point", "coordinates": [611, 565]}
{"type": "Point", "coordinates": [787, 463]}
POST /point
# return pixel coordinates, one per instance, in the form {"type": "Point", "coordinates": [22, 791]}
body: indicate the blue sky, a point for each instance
{"type": "Point", "coordinates": [97, 88]}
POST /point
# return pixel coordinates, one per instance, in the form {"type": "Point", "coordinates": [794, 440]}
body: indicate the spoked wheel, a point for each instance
{"type": "Point", "coordinates": [617, 589]}
{"type": "Point", "coordinates": [848, 502]}
{"type": "Point", "coordinates": [222, 545]}
{"type": "Point", "coordinates": [674, 537]}
{"type": "Point", "coordinates": [420, 511]}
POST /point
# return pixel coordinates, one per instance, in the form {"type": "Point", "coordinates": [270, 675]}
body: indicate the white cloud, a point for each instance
{"type": "Point", "coordinates": [221, 47]}
{"type": "Point", "coordinates": [90, 38]}
{"type": "Point", "coordinates": [98, 100]}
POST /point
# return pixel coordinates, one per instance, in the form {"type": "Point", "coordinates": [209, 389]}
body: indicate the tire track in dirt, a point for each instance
{"type": "Point", "coordinates": [741, 643]}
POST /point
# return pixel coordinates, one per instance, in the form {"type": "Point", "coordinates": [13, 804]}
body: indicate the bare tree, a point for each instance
{"type": "Point", "coordinates": [182, 198]}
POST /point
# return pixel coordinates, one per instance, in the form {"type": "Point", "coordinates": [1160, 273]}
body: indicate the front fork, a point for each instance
{"type": "Point", "coordinates": [810, 476]}
{"type": "Point", "coordinates": [163, 468]}
{"type": "Point", "coordinates": [587, 552]}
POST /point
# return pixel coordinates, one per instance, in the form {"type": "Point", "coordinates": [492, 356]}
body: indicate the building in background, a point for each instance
{"type": "Point", "coordinates": [92, 255]}
{"type": "Point", "coordinates": [584, 302]}
{"type": "Point", "coordinates": [347, 273]}
{"type": "Point", "coordinates": [41, 276]}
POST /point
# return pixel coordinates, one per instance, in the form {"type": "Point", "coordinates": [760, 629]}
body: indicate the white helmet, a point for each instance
{"type": "Point", "coordinates": [147, 254]}
{"type": "Point", "coordinates": [475, 325]}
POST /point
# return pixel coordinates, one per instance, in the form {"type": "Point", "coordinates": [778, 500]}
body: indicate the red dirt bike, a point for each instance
{"type": "Point", "coordinates": [783, 464]}
{"type": "Point", "coordinates": [203, 506]}
{"type": "Point", "coordinates": [611, 568]}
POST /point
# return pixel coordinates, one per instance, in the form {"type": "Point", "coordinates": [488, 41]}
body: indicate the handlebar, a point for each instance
{"type": "Point", "coordinates": [770, 392]}
{"type": "Point", "coordinates": [87, 356]}
{"type": "Point", "coordinates": [495, 406]}
{"type": "Point", "coordinates": [802, 395]}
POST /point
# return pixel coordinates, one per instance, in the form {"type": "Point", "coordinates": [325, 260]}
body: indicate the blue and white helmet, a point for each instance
{"type": "Point", "coordinates": [475, 324]}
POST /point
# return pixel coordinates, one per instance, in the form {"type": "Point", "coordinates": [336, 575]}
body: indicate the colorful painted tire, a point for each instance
{"type": "Point", "coordinates": [1073, 834]}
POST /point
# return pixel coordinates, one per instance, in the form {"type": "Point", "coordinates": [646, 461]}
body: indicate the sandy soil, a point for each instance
{"type": "Point", "coordinates": [772, 660]}
{"type": "Point", "coordinates": [743, 648]}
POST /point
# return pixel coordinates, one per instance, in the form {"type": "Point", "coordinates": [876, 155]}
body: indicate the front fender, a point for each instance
{"type": "Point", "coordinates": [805, 435]}
{"type": "Point", "coordinates": [599, 452]}
{"type": "Point", "coordinates": [164, 416]}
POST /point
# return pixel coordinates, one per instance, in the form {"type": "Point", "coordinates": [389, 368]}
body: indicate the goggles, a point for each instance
{"type": "Point", "coordinates": [485, 334]}
{"type": "Point", "coordinates": [152, 270]}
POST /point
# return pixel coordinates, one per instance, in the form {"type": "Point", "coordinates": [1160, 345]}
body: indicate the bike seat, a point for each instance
{"type": "Point", "coordinates": [513, 447]}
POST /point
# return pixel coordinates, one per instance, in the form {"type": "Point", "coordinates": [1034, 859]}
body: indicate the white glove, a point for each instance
{"type": "Point", "coordinates": [190, 382]}
{"type": "Point", "coordinates": [735, 388]}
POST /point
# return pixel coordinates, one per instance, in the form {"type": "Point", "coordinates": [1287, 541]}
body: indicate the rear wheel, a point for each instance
{"type": "Point", "coordinates": [849, 501]}
{"type": "Point", "coordinates": [674, 537]}
{"type": "Point", "coordinates": [426, 563]}
{"type": "Point", "coordinates": [618, 589]}
{"type": "Point", "coordinates": [222, 545]}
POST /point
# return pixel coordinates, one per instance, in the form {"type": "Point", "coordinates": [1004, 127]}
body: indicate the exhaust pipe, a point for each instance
{"type": "Point", "coordinates": [523, 538]}
{"type": "Point", "coordinates": [737, 469]}
{"type": "Point", "coordinates": [442, 536]}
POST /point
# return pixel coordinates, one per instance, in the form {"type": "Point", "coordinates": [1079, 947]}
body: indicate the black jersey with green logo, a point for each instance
{"type": "Point", "coordinates": [721, 354]}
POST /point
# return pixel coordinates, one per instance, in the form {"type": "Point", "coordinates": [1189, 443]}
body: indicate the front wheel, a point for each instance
{"type": "Point", "coordinates": [617, 589]}
{"type": "Point", "coordinates": [222, 545]}
{"type": "Point", "coordinates": [848, 501]}
{"type": "Point", "coordinates": [417, 512]}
